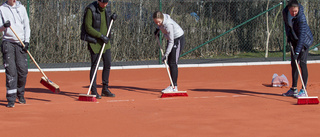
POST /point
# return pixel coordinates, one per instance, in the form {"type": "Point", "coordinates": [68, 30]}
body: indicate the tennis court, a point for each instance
{"type": "Point", "coordinates": [223, 101]}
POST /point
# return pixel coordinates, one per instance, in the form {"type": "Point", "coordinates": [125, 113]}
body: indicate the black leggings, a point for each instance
{"type": "Point", "coordinates": [302, 60]}
{"type": "Point", "coordinates": [174, 57]}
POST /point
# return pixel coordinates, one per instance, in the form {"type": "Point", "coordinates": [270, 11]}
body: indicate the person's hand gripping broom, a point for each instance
{"type": "Point", "coordinates": [44, 80]}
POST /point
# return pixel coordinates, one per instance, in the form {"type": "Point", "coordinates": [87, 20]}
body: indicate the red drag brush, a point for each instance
{"type": "Point", "coordinates": [44, 80]}
{"type": "Point", "coordinates": [174, 94]}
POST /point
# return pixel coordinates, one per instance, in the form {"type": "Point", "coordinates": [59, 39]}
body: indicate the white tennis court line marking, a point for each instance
{"type": "Point", "coordinates": [162, 66]}
{"type": "Point", "coordinates": [205, 97]}
{"type": "Point", "coordinates": [120, 100]}
{"type": "Point", "coordinates": [201, 97]}
{"type": "Point", "coordinates": [220, 96]}
{"type": "Point", "coordinates": [132, 100]}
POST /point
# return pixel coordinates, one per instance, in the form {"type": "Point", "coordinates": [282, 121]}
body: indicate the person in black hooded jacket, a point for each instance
{"type": "Point", "coordinates": [300, 38]}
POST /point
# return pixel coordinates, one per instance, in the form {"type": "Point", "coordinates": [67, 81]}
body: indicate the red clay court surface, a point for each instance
{"type": "Point", "coordinates": [229, 101]}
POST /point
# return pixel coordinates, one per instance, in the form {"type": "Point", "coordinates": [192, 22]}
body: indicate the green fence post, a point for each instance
{"type": "Point", "coordinates": [160, 36]}
{"type": "Point", "coordinates": [28, 12]}
{"type": "Point", "coordinates": [284, 36]}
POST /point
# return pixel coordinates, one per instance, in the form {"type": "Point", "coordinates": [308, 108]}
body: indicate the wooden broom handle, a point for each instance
{"type": "Point", "coordinates": [29, 54]}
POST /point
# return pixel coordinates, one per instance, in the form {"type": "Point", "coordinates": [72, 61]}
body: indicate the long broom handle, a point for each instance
{"type": "Point", "coordinates": [165, 63]}
{"type": "Point", "coordinates": [34, 61]}
{"type": "Point", "coordinates": [101, 52]}
{"type": "Point", "coordinates": [296, 62]}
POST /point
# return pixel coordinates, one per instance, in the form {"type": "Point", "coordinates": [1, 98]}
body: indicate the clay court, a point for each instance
{"type": "Point", "coordinates": [235, 101]}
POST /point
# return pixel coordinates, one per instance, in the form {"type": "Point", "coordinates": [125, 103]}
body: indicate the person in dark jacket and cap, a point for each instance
{"type": "Point", "coordinates": [300, 38]}
{"type": "Point", "coordinates": [97, 18]}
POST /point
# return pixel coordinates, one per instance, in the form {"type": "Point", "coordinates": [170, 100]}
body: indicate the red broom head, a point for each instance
{"type": "Point", "coordinates": [50, 85]}
{"type": "Point", "coordinates": [164, 95]}
{"type": "Point", "coordinates": [308, 100]}
{"type": "Point", "coordinates": [87, 98]}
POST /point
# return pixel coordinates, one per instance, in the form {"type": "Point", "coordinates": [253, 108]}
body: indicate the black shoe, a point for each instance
{"type": "Point", "coordinates": [97, 95]}
{"type": "Point", "coordinates": [22, 100]}
{"type": "Point", "coordinates": [107, 93]}
{"type": "Point", "coordinates": [10, 105]}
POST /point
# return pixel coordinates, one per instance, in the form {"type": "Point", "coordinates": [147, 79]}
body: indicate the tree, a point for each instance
{"type": "Point", "coordinates": [269, 31]}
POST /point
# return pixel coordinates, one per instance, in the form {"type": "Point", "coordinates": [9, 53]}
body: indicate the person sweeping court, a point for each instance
{"type": "Point", "coordinates": [96, 22]}
{"type": "Point", "coordinates": [175, 43]}
{"type": "Point", "coordinates": [300, 38]}
{"type": "Point", "coordinates": [14, 15]}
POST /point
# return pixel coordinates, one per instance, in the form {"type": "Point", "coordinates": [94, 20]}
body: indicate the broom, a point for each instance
{"type": "Point", "coordinates": [170, 94]}
{"type": "Point", "coordinates": [44, 80]}
{"type": "Point", "coordinates": [304, 100]}
{"type": "Point", "coordinates": [87, 97]}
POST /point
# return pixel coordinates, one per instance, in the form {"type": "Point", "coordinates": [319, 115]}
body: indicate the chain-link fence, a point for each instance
{"type": "Point", "coordinates": [55, 28]}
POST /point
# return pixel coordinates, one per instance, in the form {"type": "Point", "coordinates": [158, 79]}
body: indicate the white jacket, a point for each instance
{"type": "Point", "coordinates": [171, 31]}
{"type": "Point", "coordinates": [18, 17]}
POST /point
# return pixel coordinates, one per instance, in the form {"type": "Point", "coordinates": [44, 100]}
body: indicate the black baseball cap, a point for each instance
{"type": "Point", "coordinates": [104, 1]}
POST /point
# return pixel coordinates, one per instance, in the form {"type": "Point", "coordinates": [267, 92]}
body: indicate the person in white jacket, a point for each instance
{"type": "Point", "coordinates": [13, 14]}
{"type": "Point", "coordinates": [175, 43]}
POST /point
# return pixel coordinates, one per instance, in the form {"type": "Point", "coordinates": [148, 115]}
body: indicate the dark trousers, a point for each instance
{"type": "Point", "coordinates": [302, 61]}
{"type": "Point", "coordinates": [16, 68]}
{"type": "Point", "coordinates": [106, 58]}
{"type": "Point", "coordinates": [174, 57]}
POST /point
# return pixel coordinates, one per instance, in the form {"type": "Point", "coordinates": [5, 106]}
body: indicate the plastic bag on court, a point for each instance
{"type": "Point", "coordinates": [279, 81]}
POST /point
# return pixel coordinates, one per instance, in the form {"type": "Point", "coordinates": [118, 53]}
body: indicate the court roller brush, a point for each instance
{"type": "Point", "coordinates": [45, 81]}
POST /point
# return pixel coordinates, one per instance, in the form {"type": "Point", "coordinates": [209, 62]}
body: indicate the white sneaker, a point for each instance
{"type": "Point", "coordinates": [175, 89]}
{"type": "Point", "coordinates": [170, 89]}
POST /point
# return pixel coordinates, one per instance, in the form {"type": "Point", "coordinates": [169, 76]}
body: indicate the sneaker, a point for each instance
{"type": "Point", "coordinates": [301, 93]}
{"type": "Point", "coordinates": [10, 105]}
{"type": "Point", "coordinates": [291, 93]}
{"type": "Point", "coordinates": [22, 100]}
{"type": "Point", "coordinates": [175, 89]}
{"type": "Point", "coordinates": [170, 89]}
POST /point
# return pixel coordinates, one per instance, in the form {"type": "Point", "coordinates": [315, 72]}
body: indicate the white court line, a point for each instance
{"type": "Point", "coordinates": [132, 100]}
{"type": "Point", "coordinates": [120, 100]}
{"type": "Point", "coordinates": [180, 65]}
{"type": "Point", "coordinates": [205, 97]}
{"type": "Point", "coordinates": [201, 97]}
{"type": "Point", "coordinates": [220, 96]}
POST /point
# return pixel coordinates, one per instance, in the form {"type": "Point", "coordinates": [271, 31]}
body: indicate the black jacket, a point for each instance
{"type": "Point", "coordinates": [96, 21]}
{"type": "Point", "coordinates": [300, 33]}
